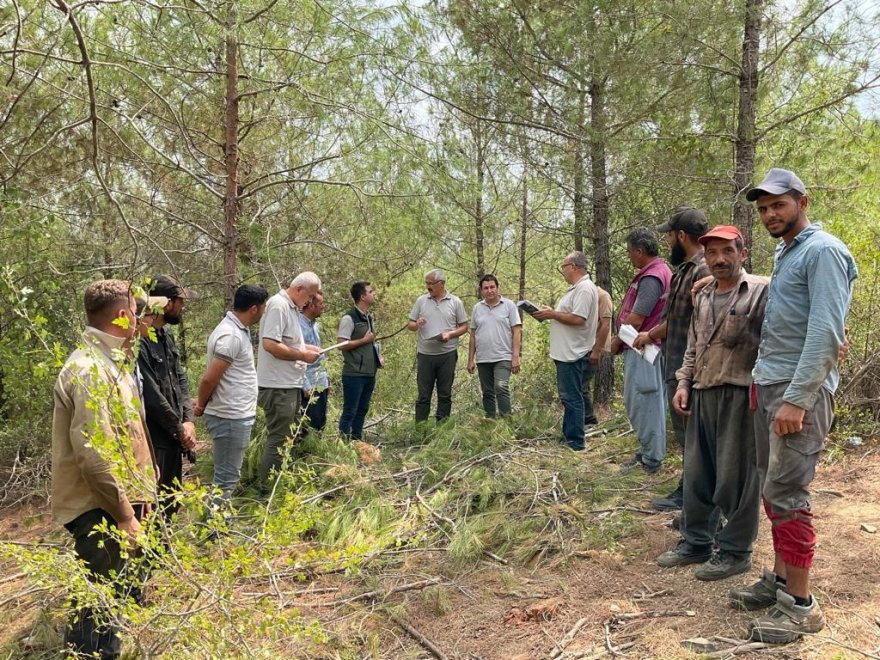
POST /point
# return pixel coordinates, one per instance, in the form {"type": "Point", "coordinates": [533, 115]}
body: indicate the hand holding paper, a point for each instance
{"type": "Point", "coordinates": [628, 335]}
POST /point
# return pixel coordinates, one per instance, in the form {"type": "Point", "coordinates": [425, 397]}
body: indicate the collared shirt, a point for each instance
{"type": "Point", "coordinates": [442, 315]}
{"type": "Point", "coordinates": [493, 330]}
{"type": "Point", "coordinates": [280, 323]}
{"type": "Point", "coordinates": [316, 372]}
{"type": "Point", "coordinates": [571, 342]}
{"type": "Point", "coordinates": [677, 311]}
{"type": "Point", "coordinates": [810, 293]}
{"type": "Point", "coordinates": [723, 336]}
{"type": "Point", "coordinates": [235, 396]}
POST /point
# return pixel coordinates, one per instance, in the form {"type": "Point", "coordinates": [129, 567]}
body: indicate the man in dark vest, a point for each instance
{"type": "Point", "coordinates": [361, 359]}
{"type": "Point", "coordinates": [644, 395]}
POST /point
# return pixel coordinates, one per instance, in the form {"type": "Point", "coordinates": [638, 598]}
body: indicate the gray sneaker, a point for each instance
{"type": "Point", "coordinates": [723, 565]}
{"type": "Point", "coordinates": [758, 595]}
{"type": "Point", "coordinates": [684, 554]}
{"type": "Point", "coordinates": [786, 621]}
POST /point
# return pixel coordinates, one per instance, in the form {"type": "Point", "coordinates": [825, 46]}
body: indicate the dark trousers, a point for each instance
{"type": "Point", "coordinates": [570, 383]}
{"type": "Point", "coordinates": [431, 370]}
{"type": "Point", "coordinates": [720, 470]}
{"type": "Point", "coordinates": [316, 409]}
{"type": "Point", "coordinates": [282, 407]}
{"type": "Point", "coordinates": [589, 373]}
{"type": "Point", "coordinates": [93, 631]}
{"type": "Point", "coordinates": [169, 460]}
{"type": "Point", "coordinates": [356, 394]}
{"type": "Point", "coordinates": [495, 387]}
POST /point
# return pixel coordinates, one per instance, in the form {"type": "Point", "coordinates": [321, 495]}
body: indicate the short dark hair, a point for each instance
{"type": "Point", "coordinates": [488, 278]}
{"type": "Point", "coordinates": [795, 194]}
{"type": "Point", "coordinates": [358, 289]}
{"type": "Point", "coordinates": [248, 295]}
{"type": "Point", "coordinates": [644, 240]}
{"type": "Point", "coordinates": [102, 299]}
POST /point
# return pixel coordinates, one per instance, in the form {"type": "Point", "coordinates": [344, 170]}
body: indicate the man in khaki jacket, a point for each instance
{"type": "Point", "coordinates": [102, 463]}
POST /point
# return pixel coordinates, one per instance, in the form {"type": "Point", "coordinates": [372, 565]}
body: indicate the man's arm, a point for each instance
{"type": "Point", "coordinates": [602, 332]}
{"type": "Point", "coordinates": [282, 351]}
{"type": "Point", "coordinates": [830, 290]}
{"type": "Point", "coordinates": [517, 344]}
{"type": "Point", "coordinates": [457, 332]}
{"type": "Point", "coordinates": [685, 374]}
{"type": "Point", "coordinates": [472, 351]}
{"type": "Point", "coordinates": [547, 313]}
{"type": "Point", "coordinates": [216, 368]}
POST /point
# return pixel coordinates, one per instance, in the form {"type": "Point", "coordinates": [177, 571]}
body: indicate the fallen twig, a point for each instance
{"type": "Point", "coordinates": [735, 650]}
{"type": "Point", "coordinates": [379, 594]}
{"type": "Point", "coordinates": [419, 637]}
{"type": "Point", "coordinates": [631, 616]}
{"type": "Point", "coordinates": [645, 595]}
{"type": "Point", "coordinates": [569, 636]}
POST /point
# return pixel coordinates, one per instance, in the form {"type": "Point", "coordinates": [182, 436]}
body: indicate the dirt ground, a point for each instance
{"type": "Point", "coordinates": [481, 614]}
{"type": "Point", "coordinates": [495, 611]}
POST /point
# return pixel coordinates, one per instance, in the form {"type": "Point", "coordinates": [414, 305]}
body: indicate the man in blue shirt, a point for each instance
{"type": "Point", "coordinates": [317, 382]}
{"type": "Point", "coordinates": [795, 377]}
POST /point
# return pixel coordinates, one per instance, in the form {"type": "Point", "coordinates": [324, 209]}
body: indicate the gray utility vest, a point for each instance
{"type": "Point", "coordinates": [363, 360]}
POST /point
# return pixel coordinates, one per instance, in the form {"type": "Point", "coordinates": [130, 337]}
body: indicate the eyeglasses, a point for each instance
{"type": "Point", "coordinates": [563, 266]}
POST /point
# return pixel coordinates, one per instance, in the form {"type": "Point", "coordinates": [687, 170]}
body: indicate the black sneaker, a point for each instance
{"type": "Point", "coordinates": [758, 595]}
{"type": "Point", "coordinates": [684, 554]}
{"type": "Point", "coordinates": [723, 565]}
{"type": "Point", "coordinates": [671, 502]}
{"type": "Point", "coordinates": [634, 462]}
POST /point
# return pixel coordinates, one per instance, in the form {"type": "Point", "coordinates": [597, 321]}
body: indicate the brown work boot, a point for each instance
{"type": "Point", "coordinates": [758, 595]}
{"type": "Point", "coordinates": [786, 621]}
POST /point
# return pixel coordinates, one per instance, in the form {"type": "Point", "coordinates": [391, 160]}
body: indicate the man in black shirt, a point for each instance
{"type": "Point", "coordinates": [167, 402]}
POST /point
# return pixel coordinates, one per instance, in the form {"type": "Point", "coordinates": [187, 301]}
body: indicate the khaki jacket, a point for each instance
{"type": "Point", "coordinates": [101, 453]}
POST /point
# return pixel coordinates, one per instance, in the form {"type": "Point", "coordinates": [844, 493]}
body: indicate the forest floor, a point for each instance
{"type": "Point", "coordinates": [613, 601]}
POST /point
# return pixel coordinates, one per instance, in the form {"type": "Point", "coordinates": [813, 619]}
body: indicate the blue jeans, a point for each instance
{"type": "Point", "coordinates": [230, 438]}
{"type": "Point", "coordinates": [356, 394]}
{"type": "Point", "coordinates": [570, 383]}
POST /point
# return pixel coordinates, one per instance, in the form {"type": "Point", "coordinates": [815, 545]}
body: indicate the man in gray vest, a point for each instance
{"type": "Point", "coordinates": [361, 360]}
{"type": "Point", "coordinates": [440, 319]}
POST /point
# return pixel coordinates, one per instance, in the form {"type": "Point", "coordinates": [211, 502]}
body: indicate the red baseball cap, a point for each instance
{"type": "Point", "coordinates": [724, 232]}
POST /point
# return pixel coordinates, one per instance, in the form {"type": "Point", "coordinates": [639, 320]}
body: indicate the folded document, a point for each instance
{"type": "Point", "coordinates": [628, 335]}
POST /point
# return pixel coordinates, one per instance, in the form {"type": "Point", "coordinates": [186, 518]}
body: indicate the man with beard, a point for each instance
{"type": "Point", "coordinates": [795, 378]}
{"type": "Point", "coordinates": [720, 475]}
{"type": "Point", "coordinates": [683, 232]}
{"type": "Point", "coordinates": [167, 401]}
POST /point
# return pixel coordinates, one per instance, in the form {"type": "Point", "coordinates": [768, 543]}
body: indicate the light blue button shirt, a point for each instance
{"type": "Point", "coordinates": [808, 300]}
{"type": "Point", "coordinates": [316, 373]}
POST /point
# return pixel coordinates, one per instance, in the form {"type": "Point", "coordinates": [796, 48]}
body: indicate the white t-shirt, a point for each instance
{"type": "Point", "coordinates": [442, 315]}
{"type": "Point", "coordinates": [571, 342]}
{"type": "Point", "coordinates": [280, 322]}
{"type": "Point", "coordinates": [235, 396]}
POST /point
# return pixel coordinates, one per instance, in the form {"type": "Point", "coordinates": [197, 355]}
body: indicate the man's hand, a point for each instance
{"type": "Point", "coordinates": [367, 338]}
{"type": "Point", "coordinates": [514, 364]}
{"type": "Point", "coordinates": [445, 336]}
{"type": "Point", "coordinates": [700, 284]}
{"type": "Point", "coordinates": [844, 349]}
{"type": "Point", "coordinates": [311, 354]}
{"type": "Point", "coordinates": [642, 339]}
{"type": "Point", "coordinates": [188, 439]}
{"type": "Point", "coordinates": [616, 346]}
{"type": "Point", "coordinates": [546, 313]}
{"type": "Point", "coordinates": [421, 321]}
{"type": "Point", "coordinates": [681, 401]}
{"type": "Point", "coordinates": [596, 357]}
{"type": "Point", "coordinates": [132, 529]}
{"type": "Point", "coordinates": [198, 409]}
{"type": "Point", "coordinates": [471, 366]}
{"type": "Point", "coordinates": [789, 419]}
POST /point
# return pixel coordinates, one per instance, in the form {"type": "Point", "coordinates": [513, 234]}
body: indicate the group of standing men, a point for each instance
{"type": "Point", "coordinates": [750, 367]}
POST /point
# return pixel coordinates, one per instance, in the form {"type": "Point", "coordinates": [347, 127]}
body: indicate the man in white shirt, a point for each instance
{"type": "Point", "coordinates": [281, 367]}
{"type": "Point", "coordinates": [572, 336]}
{"type": "Point", "coordinates": [494, 348]}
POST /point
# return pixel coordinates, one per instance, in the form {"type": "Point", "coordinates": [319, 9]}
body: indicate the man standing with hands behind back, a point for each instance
{"type": "Point", "coordinates": [440, 319]}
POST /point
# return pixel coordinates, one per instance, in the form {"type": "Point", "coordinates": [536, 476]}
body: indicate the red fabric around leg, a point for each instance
{"type": "Point", "coordinates": [794, 538]}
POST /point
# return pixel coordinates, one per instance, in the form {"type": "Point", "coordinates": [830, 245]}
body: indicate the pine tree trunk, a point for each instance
{"type": "Point", "coordinates": [230, 202]}
{"type": "Point", "coordinates": [744, 156]}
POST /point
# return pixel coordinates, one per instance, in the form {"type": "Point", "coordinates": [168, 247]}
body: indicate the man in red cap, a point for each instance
{"type": "Point", "coordinates": [720, 469]}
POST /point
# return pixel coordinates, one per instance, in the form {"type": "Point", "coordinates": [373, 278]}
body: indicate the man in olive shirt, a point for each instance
{"type": "Point", "coordinates": [440, 319]}
{"type": "Point", "coordinates": [720, 468]}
